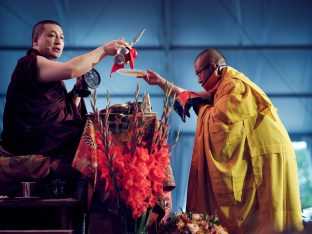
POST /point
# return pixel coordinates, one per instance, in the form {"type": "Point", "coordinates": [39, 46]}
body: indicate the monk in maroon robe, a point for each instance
{"type": "Point", "coordinates": [40, 116]}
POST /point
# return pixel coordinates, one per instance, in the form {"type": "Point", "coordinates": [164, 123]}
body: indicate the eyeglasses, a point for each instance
{"type": "Point", "coordinates": [197, 73]}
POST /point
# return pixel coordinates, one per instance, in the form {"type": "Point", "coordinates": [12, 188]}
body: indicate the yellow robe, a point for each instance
{"type": "Point", "coordinates": [243, 166]}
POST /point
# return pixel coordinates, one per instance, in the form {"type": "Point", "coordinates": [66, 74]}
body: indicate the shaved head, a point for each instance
{"type": "Point", "coordinates": [39, 27]}
{"type": "Point", "coordinates": [212, 56]}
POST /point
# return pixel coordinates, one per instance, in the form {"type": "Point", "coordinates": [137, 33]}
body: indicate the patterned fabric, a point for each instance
{"type": "Point", "coordinates": [24, 168]}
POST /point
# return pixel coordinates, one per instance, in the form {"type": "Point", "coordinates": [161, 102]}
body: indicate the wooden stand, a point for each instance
{"type": "Point", "coordinates": [32, 215]}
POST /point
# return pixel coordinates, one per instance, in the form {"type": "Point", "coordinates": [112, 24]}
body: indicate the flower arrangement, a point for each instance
{"type": "Point", "coordinates": [188, 222]}
{"type": "Point", "coordinates": [134, 174]}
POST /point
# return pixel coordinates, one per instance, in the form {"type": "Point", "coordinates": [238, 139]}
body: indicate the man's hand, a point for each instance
{"type": "Point", "coordinates": [152, 78]}
{"type": "Point", "coordinates": [112, 47]}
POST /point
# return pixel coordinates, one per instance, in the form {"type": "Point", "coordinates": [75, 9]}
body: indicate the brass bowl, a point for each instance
{"type": "Point", "coordinates": [127, 108]}
{"type": "Point", "coordinates": [119, 109]}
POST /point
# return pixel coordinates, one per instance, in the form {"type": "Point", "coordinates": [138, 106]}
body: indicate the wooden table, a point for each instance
{"type": "Point", "coordinates": [36, 215]}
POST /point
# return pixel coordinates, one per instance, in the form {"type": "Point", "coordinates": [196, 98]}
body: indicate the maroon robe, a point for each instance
{"type": "Point", "coordinates": [40, 118]}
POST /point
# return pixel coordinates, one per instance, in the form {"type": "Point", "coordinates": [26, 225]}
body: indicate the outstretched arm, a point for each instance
{"type": "Point", "coordinates": [50, 70]}
{"type": "Point", "coordinates": [152, 78]}
{"type": "Point", "coordinates": [185, 101]}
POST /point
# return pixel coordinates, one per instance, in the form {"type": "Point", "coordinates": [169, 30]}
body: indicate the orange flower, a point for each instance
{"type": "Point", "coordinates": [142, 154]}
{"type": "Point", "coordinates": [139, 174]}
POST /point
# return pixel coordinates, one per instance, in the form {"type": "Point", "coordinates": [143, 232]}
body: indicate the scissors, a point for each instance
{"type": "Point", "coordinates": [137, 38]}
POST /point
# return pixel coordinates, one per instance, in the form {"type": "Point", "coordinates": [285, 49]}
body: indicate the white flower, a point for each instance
{"type": "Point", "coordinates": [193, 227]}
{"type": "Point", "coordinates": [197, 216]}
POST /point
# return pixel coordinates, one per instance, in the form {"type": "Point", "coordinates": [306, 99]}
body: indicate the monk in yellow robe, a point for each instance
{"type": "Point", "coordinates": [243, 166]}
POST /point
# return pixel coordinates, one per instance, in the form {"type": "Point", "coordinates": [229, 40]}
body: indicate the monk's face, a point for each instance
{"type": "Point", "coordinates": [201, 70]}
{"type": "Point", "coordinates": [50, 42]}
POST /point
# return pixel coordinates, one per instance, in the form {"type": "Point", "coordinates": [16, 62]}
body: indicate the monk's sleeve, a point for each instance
{"type": "Point", "coordinates": [81, 109]}
{"type": "Point", "coordinates": [185, 101]}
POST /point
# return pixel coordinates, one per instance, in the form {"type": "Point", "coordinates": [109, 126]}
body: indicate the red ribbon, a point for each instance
{"type": "Point", "coordinates": [128, 58]}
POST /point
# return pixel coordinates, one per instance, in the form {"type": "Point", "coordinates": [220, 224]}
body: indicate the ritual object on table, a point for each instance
{"type": "Point", "coordinates": [129, 107]}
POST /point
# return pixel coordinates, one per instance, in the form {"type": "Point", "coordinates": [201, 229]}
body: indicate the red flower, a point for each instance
{"type": "Point", "coordinates": [142, 154]}
{"type": "Point", "coordinates": [139, 173]}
